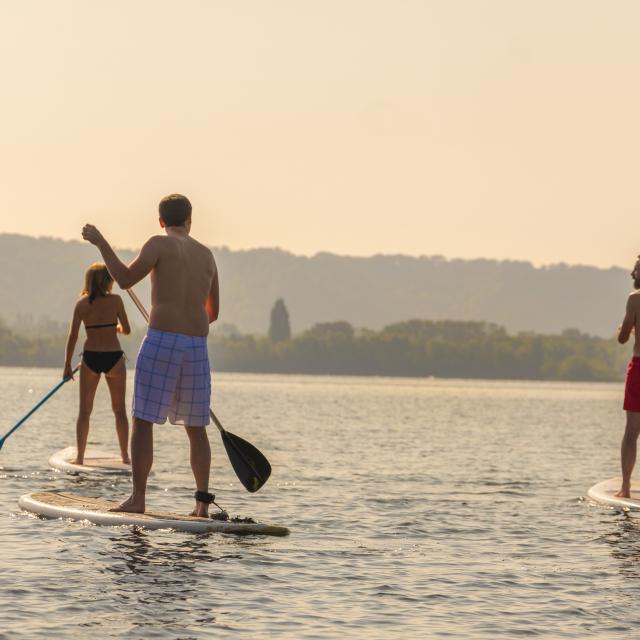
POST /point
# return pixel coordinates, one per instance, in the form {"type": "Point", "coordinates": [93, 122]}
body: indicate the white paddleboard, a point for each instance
{"type": "Point", "coordinates": [96, 510]}
{"type": "Point", "coordinates": [96, 462]}
{"type": "Point", "coordinates": [604, 493]}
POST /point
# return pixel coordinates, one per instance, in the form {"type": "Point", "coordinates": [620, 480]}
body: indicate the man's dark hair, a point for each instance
{"type": "Point", "coordinates": [174, 210]}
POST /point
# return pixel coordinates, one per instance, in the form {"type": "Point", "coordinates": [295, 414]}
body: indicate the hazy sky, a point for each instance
{"type": "Point", "coordinates": [504, 129]}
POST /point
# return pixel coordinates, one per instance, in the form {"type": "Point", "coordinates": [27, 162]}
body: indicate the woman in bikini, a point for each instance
{"type": "Point", "coordinates": [104, 317]}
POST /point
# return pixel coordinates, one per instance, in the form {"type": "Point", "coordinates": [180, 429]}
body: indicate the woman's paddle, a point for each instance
{"type": "Point", "coordinates": [251, 467]}
{"type": "Point", "coordinates": [24, 419]}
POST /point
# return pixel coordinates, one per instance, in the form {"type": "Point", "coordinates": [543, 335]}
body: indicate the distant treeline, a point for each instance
{"type": "Point", "coordinates": [444, 349]}
{"type": "Point", "coordinates": [42, 344]}
{"type": "Point", "coordinates": [419, 348]}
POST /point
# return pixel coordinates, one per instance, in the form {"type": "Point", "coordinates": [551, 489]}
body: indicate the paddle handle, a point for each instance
{"type": "Point", "coordinates": [38, 405]}
{"type": "Point", "coordinates": [145, 315]}
{"type": "Point", "coordinates": [138, 304]}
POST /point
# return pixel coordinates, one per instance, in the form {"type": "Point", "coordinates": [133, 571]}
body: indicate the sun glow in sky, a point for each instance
{"type": "Point", "coordinates": [499, 129]}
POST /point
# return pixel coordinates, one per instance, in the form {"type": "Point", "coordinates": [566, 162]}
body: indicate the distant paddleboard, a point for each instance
{"type": "Point", "coordinates": [96, 510]}
{"type": "Point", "coordinates": [96, 462]}
{"type": "Point", "coordinates": [604, 493]}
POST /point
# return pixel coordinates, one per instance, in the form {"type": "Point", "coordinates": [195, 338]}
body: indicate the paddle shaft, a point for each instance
{"type": "Point", "coordinates": [145, 315]}
{"type": "Point", "coordinates": [37, 406]}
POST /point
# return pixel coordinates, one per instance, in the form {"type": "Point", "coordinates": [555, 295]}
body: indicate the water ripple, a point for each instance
{"type": "Point", "coordinates": [444, 509]}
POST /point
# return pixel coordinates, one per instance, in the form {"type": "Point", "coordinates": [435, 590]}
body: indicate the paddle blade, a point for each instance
{"type": "Point", "coordinates": [251, 467]}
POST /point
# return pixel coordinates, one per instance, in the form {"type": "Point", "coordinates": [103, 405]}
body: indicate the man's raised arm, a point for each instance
{"type": "Point", "coordinates": [125, 276]}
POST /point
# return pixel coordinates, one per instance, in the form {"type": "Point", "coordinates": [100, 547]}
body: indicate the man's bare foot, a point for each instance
{"type": "Point", "coordinates": [77, 461]}
{"type": "Point", "coordinates": [624, 493]}
{"type": "Point", "coordinates": [130, 505]}
{"type": "Point", "coordinates": [201, 510]}
{"type": "Point", "coordinates": [126, 459]}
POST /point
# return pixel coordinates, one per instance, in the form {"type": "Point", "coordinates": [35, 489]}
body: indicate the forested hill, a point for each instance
{"type": "Point", "coordinates": [42, 276]}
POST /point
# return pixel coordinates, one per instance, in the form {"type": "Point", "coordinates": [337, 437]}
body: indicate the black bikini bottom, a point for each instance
{"type": "Point", "coordinates": [101, 361]}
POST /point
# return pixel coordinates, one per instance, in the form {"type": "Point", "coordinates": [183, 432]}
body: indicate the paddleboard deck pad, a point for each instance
{"type": "Point", "coordinates": [96, 462]}
{"type": "Point", "coordinates": [96, 510]}
{"type": "Point", "coordinates": [604, 493]}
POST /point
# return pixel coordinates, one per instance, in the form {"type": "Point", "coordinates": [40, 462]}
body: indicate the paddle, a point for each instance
{"type": "Point", "coordinates": [250, 465]}
{"type": "Point", "coordinates": [24, 419]}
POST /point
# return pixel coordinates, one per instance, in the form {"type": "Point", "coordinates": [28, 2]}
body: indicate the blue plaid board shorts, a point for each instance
{"type": "Point", "coordinates": [173, 379]}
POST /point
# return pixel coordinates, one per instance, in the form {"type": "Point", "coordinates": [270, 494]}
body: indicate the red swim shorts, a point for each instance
{"type": "Point", "coordinates": [632, 386]}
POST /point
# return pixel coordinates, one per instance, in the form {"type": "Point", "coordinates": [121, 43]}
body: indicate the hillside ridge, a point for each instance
{"type": "Point", "coordinates": [42, 277]}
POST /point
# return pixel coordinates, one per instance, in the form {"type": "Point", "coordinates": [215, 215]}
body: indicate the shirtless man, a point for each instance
{"type": "Point", "coordinates": [631, 325]}
{"type": "Point", "coordinates": [173, 377]}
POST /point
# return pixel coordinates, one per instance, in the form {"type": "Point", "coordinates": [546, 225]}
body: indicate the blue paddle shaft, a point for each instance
{"type": "Point", "coordinates": [28, 415]}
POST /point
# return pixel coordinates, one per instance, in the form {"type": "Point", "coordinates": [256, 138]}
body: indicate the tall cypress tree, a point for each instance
{"type": "Point", "coordinates": [279, 328]}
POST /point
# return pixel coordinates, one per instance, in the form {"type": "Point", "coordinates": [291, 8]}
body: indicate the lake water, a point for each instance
{"type": "Point", "coordinates": [417, 508]}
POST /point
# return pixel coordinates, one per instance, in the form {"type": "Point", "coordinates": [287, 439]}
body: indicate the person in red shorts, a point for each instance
{"type": "Point", "coordinates": [631, 325]}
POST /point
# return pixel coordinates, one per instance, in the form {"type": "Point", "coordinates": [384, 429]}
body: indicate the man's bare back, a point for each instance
{"type": "Point", "coordinates": [180, 284]}
{"type": "Point", "coordinates": [184, 279]}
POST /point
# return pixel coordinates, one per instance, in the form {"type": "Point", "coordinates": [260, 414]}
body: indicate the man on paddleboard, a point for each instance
{"type": "Point", "coordinates": [631, 325]}
{"type": "Point", "coordinates": [173, 376]}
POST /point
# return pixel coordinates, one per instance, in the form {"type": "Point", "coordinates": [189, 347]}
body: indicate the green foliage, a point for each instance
{"type": "Point", "coordinates": [18, 350]}
{"type": "Point", "coordinates": [279, 328]}
{"type": "Point", "coordinates": [416, 348]}
{"type": "Point", "coordinates": [47, 349]}
{"type": "Point", "coordinates": [426, 348]}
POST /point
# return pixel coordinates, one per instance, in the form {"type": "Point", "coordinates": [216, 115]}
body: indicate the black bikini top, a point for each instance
{"type": "Point", "coordinates": [100, 326]}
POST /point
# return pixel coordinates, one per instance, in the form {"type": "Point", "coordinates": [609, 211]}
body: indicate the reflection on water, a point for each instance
{"type": "Point", "coordinates": [625, 543]}
{"type": "Point", "coordinates": [160, 577]}
{"type": "Point", "coordinates": [140, 554]}
{"type": "Point", "coordinates": [166, 578]}
{"type": "Point", "coordinates": [417, 509]}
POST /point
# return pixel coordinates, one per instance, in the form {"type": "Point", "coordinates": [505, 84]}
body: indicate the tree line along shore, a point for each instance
{"type": "Point", "coordinates": [416, 348]}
